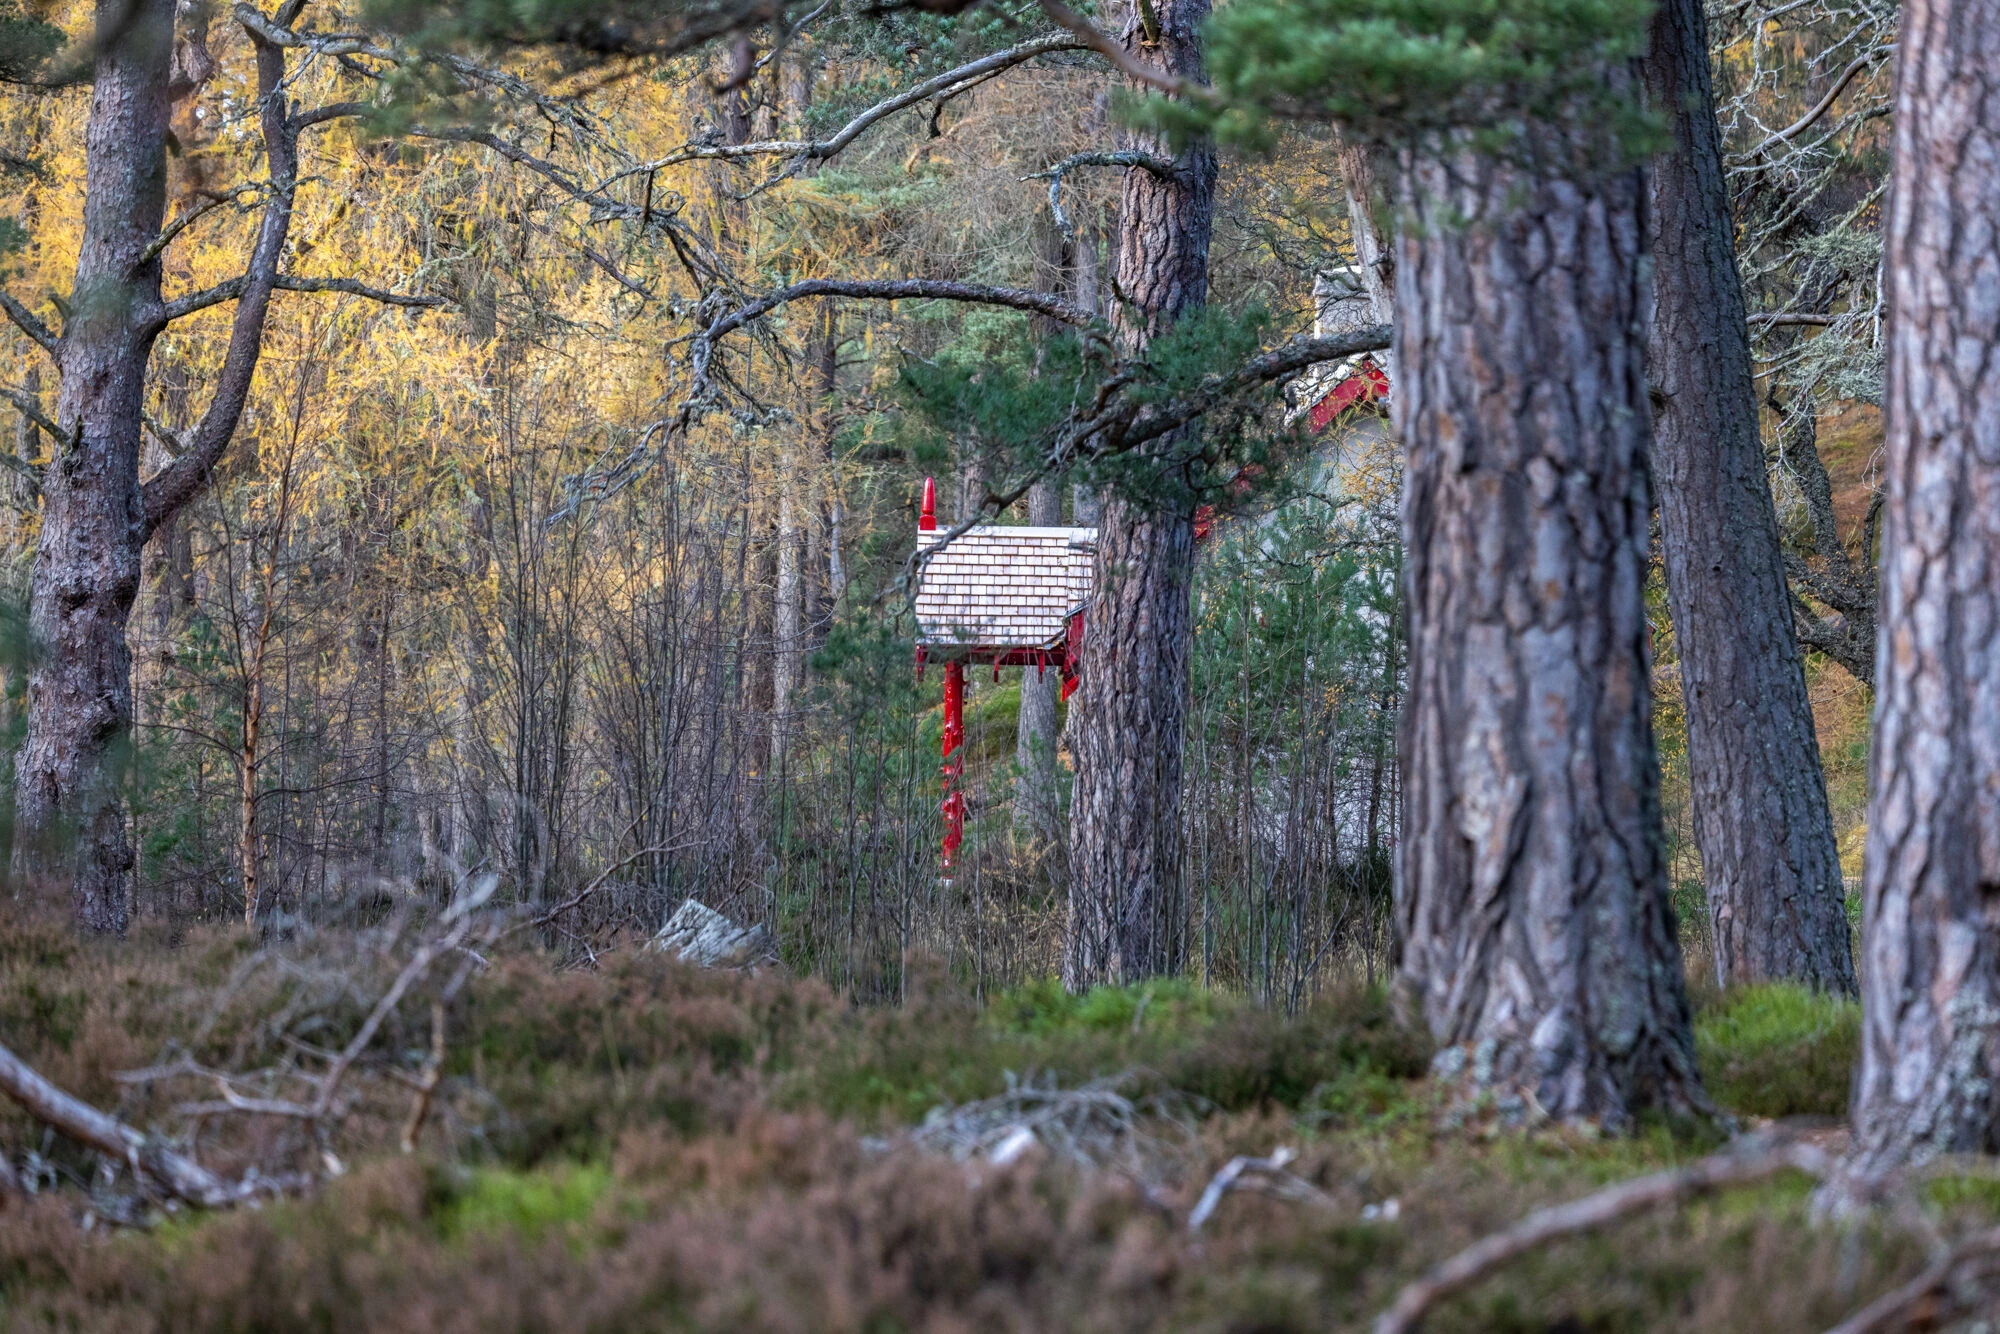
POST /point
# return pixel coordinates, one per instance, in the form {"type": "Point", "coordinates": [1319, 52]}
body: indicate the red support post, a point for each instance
{"type": "Point", "coordinates": [954, 760]}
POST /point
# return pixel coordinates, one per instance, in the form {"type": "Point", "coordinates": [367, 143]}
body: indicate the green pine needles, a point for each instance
{"type": "Point", "coordinates": [999, 394]}
{"type": "Point", "coordinates": [1416, 73]}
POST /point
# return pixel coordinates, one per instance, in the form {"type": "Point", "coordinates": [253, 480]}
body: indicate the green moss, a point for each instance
{"type": "Point", "coordinates": [1367, 1097]}
{"type": "Point", "coordinates": [527, 1204]}
{"type": "Point", "coordinates": [1779, 1050]}
{"type": "Point", "coordinates": [1044, 1008]}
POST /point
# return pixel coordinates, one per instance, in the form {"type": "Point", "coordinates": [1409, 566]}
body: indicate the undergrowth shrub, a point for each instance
{"type": "Point", "coordinates": [1779, 1050]}
{"type": "Point", "coordinates": [895, 1065]}
{"type": "Point", "coordinates": [649, 1147]}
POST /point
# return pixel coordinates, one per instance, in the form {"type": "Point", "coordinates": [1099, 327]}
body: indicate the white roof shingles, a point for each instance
{"type": "Point", "coordinates": [993, 588]}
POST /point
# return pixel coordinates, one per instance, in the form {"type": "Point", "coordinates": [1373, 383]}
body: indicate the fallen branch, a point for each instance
{"type": "Point", "coordinates": [1096, 1126]}
{"type": "Point", "coordinates": [152, 1162]}
{"type": "Point", "coordinates": [1607, 1206]}
{"type": "Point", "coordinates": [1265, 1173]}
{"type": "Point", "coordinates": [1914, 1301]}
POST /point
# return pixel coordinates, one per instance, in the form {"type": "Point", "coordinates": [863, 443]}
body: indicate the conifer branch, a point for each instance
{"type": "Point", "coordinates": [1161, 167]}
{"type": "Point", "coordinates": [901, 289]}
{"type": "Point", "coordinates": [24, 319]}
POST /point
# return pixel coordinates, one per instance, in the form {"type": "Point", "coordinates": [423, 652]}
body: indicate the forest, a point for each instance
{"type": "Point", "coordinates": [895, 665]}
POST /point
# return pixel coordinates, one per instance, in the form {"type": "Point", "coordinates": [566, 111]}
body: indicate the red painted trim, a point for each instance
{"type": "Point", "coordinates": [954, 761]}
{"type": "Point", "coordinates": [1366, 385]}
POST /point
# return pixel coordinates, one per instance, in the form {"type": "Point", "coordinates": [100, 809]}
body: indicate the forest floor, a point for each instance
{"type": "Point", "coordinates": [642, 1146]}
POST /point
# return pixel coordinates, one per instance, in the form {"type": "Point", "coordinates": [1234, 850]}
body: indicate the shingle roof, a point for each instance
{"type": "Point", "coordinates": [1002, 588]}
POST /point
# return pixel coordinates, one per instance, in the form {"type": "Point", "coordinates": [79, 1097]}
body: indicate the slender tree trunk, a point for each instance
{"type": "Point", "coordinates": [1035, 805]}
{"type": "Point", "coordinates": [1084, 509]}
{"type": "Point", "coordinates": [826, 383]}
{"type": "Point", "coordinates": [788, 611]}
{"type": "Point", "coordinates": [1125, 826]}
{"type": "Point", "coordinates": [1931, 999]}
{"type": "Point", "coordinates": [1537, 936]}
{"type": "Point", "coordinates": [1761, 818]}
{"type": "Point", "coordinates": [248, 762]}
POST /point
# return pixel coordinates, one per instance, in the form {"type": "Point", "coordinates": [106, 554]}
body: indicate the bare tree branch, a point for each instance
{"type": "Point", "coordinates": [1806, 122]}
{"type": "Point", "coordinates": [280, 35]}
{"type": "Point", "coordinates": [209, 204]}
{"type": "Point", "coordinates": [949, 84]}
{"type": "Point", "coordinates": [1947, 1278]}
{"type": "Point", "coordinates": [331, 111]}
{"type": "Point", "coordinates": [598, 882]}
{"type": "Point", "coordinates": [1126, 428]}
{"type": "Point", "coordinates": [183, 479]}
{"type": "Point", "coordinates": [24, 319]}
{"type": "Point", "coordinates": [901, 289]}
{"type": "Point", "coordinates": [32, 410]}
{"type": "Point", "coordinates": [285, 282]}
{"type": "Point", "coordinates": [1111, 49]}
{"type": "Point", "coordinates": [1163, 168]}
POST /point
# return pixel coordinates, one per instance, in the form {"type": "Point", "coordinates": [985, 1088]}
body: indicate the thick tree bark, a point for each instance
{"type": "Point", "coordinates": [96, 516]}
{"type": "Point", "coordinates": [1532, 900]}
{"type": "Point", "coordinates": [1931, 998]}
{"type": "Point", "coordinates": [1373, 255]}
{"type": "Point", "coordinates": [1125, 828]}
{"type": "Point", "coordinates": [86, 571]}
{"type": "Point", "coordinates": [1761, 818]}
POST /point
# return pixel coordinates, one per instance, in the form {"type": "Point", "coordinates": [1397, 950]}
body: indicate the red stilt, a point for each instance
{"type": "Point", "coordinates": [954, 760]}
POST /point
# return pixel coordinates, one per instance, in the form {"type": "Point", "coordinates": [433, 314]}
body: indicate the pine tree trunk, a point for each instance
{"type": "Point", "coordinates": [1536, 931]}
{"type": "Point", "coordinates": [1125, 829]}
{"type": "Point", "coordinates": [96, 516]}
{"type": "Point", "coordinates": [1931, 977]}
{"type": "Point", "coordinates": [1759, 802]}
{"type": "Point", "coordinates": [788, 611]}
{"type": "Point", "coordinates": [68, 814]}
